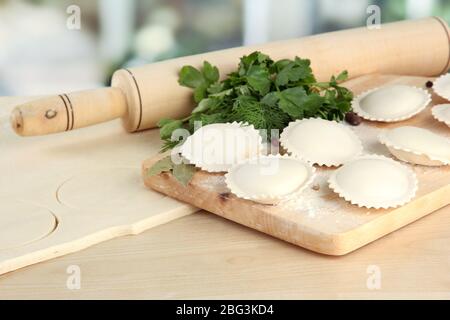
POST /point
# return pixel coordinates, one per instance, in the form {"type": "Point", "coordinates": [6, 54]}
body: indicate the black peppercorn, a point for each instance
{"type": "Point", "coordinates": [429, 84]}
{"type": "Point", "coordinates": [353, 119]}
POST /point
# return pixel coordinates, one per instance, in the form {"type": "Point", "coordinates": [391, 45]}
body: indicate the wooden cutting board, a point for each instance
{"type": "Point", "coordinates": [323, 222]}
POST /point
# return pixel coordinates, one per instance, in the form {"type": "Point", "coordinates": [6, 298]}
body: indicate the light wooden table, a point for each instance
{"type": "Point", "coordinates": [203, 256]}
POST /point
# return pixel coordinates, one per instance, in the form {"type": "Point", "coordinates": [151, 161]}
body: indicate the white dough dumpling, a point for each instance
{"type": "Point", "coordinates": [417, 146]}
{"type": "Point", "coordinates": [217, 147]}
{"type": "Point", "coordinates": [322, 142]}
{"type": "Point", "coordinates": [442, 86]}
{"type": "Point", "coordinates": [442, 113]}
{"type": "Point", "coordinates": [391, 103]}
{"type": "Point", "coordinates": [374, 182]}
{"type": "Point", "coordinates": [269, 179]}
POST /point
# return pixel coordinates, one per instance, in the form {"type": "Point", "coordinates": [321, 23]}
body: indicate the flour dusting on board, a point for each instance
{"type": "Point", "coordinates": [314, 199]}
{"type": "Point", "coordinates": [215, 183]}
{"type": "Point", "coordinates": [320, 205]}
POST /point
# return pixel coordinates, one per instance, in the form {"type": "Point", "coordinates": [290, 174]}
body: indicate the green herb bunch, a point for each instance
{"type": "Point", "coordinates": [262, 92]}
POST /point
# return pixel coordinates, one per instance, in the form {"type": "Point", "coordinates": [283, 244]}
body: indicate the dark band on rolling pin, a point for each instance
{"type": "Point", "coordinates": [67, 112]}
{"type": "Point", "coordinates": [71, 111]}
{"type": "Point", "coordinates": [140, 99]}
{"type": "Point", "coordinates": [443, 24]}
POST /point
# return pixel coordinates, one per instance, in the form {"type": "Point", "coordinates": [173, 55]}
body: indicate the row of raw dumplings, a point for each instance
{"type": "Point", "coordinates": [397, 103]}
{"type": "Point", "coordinates": [409, 144]}
{"type": "Point", "coordinates": [370, 181]}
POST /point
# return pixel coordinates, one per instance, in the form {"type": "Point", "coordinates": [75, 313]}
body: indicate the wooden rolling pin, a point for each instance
{"type": "Point", "coordinates": [144, 95]}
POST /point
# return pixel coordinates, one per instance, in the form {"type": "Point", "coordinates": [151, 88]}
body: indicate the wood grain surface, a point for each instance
{"type": "Point", "coordinates": [203, 256]}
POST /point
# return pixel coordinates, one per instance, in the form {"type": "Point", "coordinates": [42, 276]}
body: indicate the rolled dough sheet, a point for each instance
{"type": "Point", "coordinates": [76, 189]}
{"type": "Point", "coordinates": [23, 223]}
{"type": "Point", "coordinates": [115, 190]}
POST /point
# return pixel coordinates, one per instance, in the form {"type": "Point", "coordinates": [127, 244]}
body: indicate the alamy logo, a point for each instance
{"type": "Point", "coordinates": [74, 19]}
{"type": "Point", "coordinates": [374, 19]}
{"type": "Point", "coordinates": [74, 280]}
{"type": "Point", "coordinates": [374, 279]}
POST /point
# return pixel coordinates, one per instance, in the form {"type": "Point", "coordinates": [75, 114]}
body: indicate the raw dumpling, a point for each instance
{"type": "Point", "coordinates": [442, 113]}
{"type": "Point", "coordinates": [270, 179]}
{"type": "Point", "coordinates": [391, 103]}
{"type": "Point", "coordinates": [217, 147]}
{"type": "Point", "coordinates": [374, 182]}
{"type": "Point", "coordinates": [417, 146]}
{"type": "Point", "coordinates": [442, 87]}
{"type": "Point", "coordinates": [322, 142]}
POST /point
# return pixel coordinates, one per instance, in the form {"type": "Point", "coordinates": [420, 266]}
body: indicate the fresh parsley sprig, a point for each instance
{"type": "Point", "coordinates": [265, 93]}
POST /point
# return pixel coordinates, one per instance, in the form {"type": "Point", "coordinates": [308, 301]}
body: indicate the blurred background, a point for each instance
{"type": "Point", "coordinates": [51, 46]}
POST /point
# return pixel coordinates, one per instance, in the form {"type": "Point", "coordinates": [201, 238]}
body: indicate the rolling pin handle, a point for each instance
{"type": "Point", "coordinates": [67, 112]}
